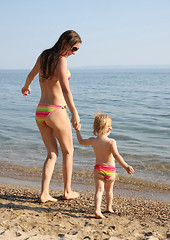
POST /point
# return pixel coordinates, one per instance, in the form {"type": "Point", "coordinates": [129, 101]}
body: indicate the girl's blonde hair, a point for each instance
{"type": "Point", "coordinates": [101, 123]}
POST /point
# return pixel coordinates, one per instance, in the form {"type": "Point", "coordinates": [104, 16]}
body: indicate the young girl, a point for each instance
{"type": "Point", "coordinates": [106, 151]}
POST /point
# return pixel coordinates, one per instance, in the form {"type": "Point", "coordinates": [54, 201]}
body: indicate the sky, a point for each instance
{"type": "Point", "coordinates": [114, 32]}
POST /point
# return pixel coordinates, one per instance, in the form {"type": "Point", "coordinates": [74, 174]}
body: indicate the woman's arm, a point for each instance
{"type": "Point", "coordinates": [26, 89]}
{"type": "Point", "coordinates": [62, 75]}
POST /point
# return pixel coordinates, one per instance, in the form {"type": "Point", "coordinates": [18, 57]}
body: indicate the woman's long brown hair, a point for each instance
{"type": "Point", "coordinates": [49, 58]}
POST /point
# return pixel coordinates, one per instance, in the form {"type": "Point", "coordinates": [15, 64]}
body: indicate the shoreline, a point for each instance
{"type": "Point", "coordinates": [82, 180]}
{"type": "Point", "coordinates": [23, 217]}
{"type": "Point", "coordinates": [121, 187]}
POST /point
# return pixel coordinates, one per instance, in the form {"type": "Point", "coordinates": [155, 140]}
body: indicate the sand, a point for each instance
{"type": "Point", "coordinates": [23, 217]}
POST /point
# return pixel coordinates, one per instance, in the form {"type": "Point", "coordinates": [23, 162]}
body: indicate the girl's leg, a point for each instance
{"type": "Point", "coordinates": [60, 123]}
{"type": "Point", "coordinates": [99, 184]}
{"type": "Point", "coordinates": [52, 153]}
{"type": "Point", "coordinates": [109, 192]}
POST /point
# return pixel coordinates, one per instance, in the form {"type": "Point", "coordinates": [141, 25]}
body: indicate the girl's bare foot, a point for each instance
{"type": "Point", "coordinates": [47, 198]}
{"type": "Point", "coordinates": [71, 195]}
{"type": "Point", "coordinates": [99, 215]}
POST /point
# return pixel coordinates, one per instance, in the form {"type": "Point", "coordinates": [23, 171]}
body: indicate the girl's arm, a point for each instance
{"type": "Point", "coordinates": [82, 141]}
{"type": "Point", "coordinates": [62, 75]}
{"type": "Point", "coordinates": [26, 89]}
{"type": "Point", "coordinates": [119, 158]}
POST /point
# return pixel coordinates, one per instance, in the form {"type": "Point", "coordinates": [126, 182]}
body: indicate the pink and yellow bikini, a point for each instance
{"type": "Point", "coordinates": [43, 110]}
{"type": "Point", "coordinates": [106, 171]}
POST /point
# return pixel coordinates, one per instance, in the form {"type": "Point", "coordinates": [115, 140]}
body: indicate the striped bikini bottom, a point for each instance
{"type": "Point", "coordinates": [106, 171]}
{"type": "Point", "coordinates": [43, 110]}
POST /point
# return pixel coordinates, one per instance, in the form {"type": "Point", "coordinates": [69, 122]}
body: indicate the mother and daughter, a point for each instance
{"type": "Point", "coordinates": [53, 122]}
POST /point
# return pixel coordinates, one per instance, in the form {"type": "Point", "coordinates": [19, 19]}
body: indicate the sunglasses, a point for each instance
{"type": "Point", "coordinates": [74, 49]}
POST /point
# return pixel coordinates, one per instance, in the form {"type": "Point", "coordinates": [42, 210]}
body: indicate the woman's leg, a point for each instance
{"type": "Point", "coordinates": [60, 123]}
{"type": "Point", "coordinates": [109, 192]}
{"type": "Point", "coordinates": [52, 153]}
{"type": "Point", "coordinates": [99, 184]}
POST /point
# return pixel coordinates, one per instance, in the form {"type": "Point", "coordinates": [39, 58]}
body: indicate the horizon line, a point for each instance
{"type": "Point", "coordinates": [107, 66]}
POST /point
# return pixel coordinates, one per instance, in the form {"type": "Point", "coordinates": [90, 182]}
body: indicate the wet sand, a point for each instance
{"type": "Point", "coordinates": [82, 180]}
{"type": "Point", "coordinates": [134, 218]}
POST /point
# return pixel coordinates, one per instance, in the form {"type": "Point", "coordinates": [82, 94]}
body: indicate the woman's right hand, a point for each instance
{"type": "Point", "coordinates": [75, 120]}
{"type": "Point", "coordinates": [25, 91]}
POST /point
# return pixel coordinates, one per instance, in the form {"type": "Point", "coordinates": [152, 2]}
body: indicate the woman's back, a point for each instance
{"type": "Point", "coordinates": [51, 91]}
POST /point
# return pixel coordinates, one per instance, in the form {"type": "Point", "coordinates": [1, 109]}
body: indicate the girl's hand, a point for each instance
{"type": "Point", "coordinates": [78, 127]}
{"type": "Point", "coordinates": [130, 170]}
{"type": "Point", "coordinates": [25, 91]}
{"type": "Point", "coordinates": [75, 120]}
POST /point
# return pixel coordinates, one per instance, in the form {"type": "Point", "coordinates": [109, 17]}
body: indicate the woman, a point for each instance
{"type": "Point", "coordinates": [51, 114]}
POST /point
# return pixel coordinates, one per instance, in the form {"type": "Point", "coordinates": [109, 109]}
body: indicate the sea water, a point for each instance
{"type": "Point", "coordinates": [137, 99]}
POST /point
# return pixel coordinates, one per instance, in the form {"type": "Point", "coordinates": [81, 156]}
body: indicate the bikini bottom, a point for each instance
{"type": "Point", "coordinates": [43, 110]}
{"type": "Point", "coordinates": [106, 171]}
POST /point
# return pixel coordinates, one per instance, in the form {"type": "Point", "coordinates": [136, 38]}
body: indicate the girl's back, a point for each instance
{"type": "Point", "coordinates": [102, 149]}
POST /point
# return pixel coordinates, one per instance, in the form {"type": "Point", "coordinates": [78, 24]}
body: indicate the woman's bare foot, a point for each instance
{"type": "Point", "coordinates": [99, 215]}
{"type": "Point", "coordinates": [47, 198]}
{"type": "Point", "coordinates": [71, 195]}
{"type": "Point", "coordinates": [110, 210]}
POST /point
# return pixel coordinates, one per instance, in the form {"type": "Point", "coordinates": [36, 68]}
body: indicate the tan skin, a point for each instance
{"type": "Point", "coordinates": [106, 151]}
{"type": "Point", "coordinates": [56, 91]}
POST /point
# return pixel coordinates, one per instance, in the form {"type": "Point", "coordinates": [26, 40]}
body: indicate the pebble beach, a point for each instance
{"type": "Point", "coordinates": [134, 218]}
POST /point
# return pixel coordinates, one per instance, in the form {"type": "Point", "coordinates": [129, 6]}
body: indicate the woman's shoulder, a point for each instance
{"type": "Point", "coordinates": [62, 60]}
{"type": "Point", "coordinates": [62, 63]}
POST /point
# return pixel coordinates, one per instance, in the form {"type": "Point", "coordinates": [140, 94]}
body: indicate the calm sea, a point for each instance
{"type": "Point", "coordinates": [138, 101]}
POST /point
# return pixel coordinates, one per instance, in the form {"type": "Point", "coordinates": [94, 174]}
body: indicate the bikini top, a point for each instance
{"type": "Point", "coordinates": [68, 75]}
